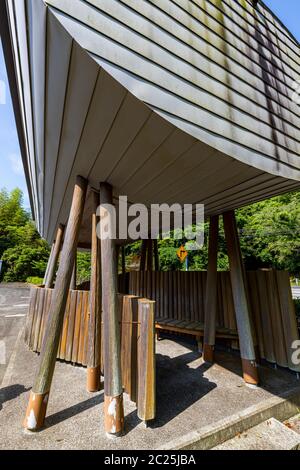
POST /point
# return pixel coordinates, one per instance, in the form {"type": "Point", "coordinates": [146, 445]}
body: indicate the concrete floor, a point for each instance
{"type": "Point", "coordinates": [190, 395]}
{"type": "Point", "coordinates": [14, 301]}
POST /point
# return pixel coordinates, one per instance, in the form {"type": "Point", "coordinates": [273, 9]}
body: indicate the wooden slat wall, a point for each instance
{"type": "Point", "coordinates": [181, 295]}
{"type": "Point", "coordinates": [74, 337]}
{"type": "Point", "coordinates": [137, 340]}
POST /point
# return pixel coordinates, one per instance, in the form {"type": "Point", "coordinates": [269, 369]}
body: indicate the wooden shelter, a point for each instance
{"type": "Point", "coordinates": [177, 101]}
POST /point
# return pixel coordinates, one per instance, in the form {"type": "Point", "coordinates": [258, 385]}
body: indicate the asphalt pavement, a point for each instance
{"type": "Point", "coordinates": [14, 302]}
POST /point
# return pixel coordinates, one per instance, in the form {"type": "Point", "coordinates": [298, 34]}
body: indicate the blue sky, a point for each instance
{"type": "Point", "coordinates": [288, 11]}
{"type": "Point", "coordinates": [11, 169]}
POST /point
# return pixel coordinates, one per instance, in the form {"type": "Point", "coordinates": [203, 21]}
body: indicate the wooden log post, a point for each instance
{"type": "Point", "coordinates": [54, 257]}
{"type": "Point", "coordinates": [48, 264]}
{"type": "Point", "coordinates": [37, 406]}
{"type": "Point", "coordinates": [238, 282]}
{"type": "Point", "coordinates": [113, 390]}
{"type": "Point", "coordinates": [146, 397]}
{"type": "Point", "coordinates": [94, 335]}
{"type": "Point", "coordinates": [211, 292]}
{"type": "Point", "coordinates": [73, 283]}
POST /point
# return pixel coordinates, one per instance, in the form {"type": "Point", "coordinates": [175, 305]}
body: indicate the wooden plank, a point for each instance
{"type": "Point", "coordinates": [47, 303]}
{"type": "Point", "coordinates": [254, 299]}
{"type": "Point", "coordinates": [30, 315]}
{"type": "Point", "coordinates": [75, 347]}
{"type": "Point", "coordinates": [86, 329]}
{"type": "Point", "coordinates": [94, 332]}
{"type": "Point", "coordinates": [237, 275]}
{"type": "Point", "coordinates": [71, 325]}
{"type": "Point", "coordinates": [64, 334]}
{"type": "Point", "coordinates": [276, 320]}
{"type": "Point", "coordinates": [85, 299]}
{"type": "Point", "coordinates": [146, 399]}
{"type": "Point", "coordinates": [129, 346]}
{"type": "Point", "coordinates": [288, 315]}
{"type": "Point", "coordinates": [265, 314]}
{"type": "Point", "coordinates": [210, 308]}
{"type": "Point", "coordinates": [34, 319]}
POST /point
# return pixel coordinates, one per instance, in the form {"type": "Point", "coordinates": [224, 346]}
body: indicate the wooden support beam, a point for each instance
{"type": "Point", "coordinates": [48, 264]}
{"type": "Point", "coordinates": [37, 406]}
{"type": "Point", "coordinates": [211, 292]}
{"type": "Point", "coordinates": [55, 256]}
{"type": "Point", "coordinates": [94, 335]}
{"type": "Point", "coordinates": [238, 283]}
{"type": "Point", "coordinates": [113, 390]}
{"type": "Point", "coordinates": [73, 283]}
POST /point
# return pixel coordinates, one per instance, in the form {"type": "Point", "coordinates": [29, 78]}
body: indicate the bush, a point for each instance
{"type": "Point", "coordinates": [37, 281]}
{"type": "Point", "coordinates": [83, 267]}
{"type": "Point", "coordinates": [23, 261]}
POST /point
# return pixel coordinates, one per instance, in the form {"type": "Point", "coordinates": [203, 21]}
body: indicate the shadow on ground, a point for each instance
{"type": "Point", "coordinates": [173, 375]}
{"type": "Point", "coordinates": [74, 410]}
{"type": "Point", "coordinates": [11, 392]}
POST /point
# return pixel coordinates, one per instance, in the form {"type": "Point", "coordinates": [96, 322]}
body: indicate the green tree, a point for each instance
{"type": "Point", "coordinates": [270, 233]}
{"type": "Point", "coordinates": [23, 251]}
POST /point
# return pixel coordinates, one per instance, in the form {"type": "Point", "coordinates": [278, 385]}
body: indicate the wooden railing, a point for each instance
{"type": "Point", "coordinates": [181, 296]}
{"type": "Point", "coordinates": [138, 354]}
{"type": "Point", "coordinates": [74, 338]}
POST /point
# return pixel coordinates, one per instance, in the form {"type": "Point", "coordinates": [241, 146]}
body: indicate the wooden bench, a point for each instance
{"type": "Point", "coordinates": [192, 328]}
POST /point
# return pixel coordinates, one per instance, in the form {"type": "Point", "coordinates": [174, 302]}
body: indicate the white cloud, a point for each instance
{"type": "Point", "coordinates": [16, 163]}
{"type": "Point", "coordinates": [2, 92]}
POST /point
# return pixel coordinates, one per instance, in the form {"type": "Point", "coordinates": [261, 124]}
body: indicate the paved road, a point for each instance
{"type": "Point", "coordinates": [14, 300]}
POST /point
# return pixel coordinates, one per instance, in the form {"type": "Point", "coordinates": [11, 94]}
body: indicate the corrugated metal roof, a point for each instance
{"type": "Point", "coordinates": [169, 101]}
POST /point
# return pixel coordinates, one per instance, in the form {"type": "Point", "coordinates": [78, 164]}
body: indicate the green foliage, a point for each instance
{"type": "Point", "coordinates": [22, 250]}
{"type": "Point", "coordinates": [37, 281]}
{"type": "Point", "coordinates": [168, 258]}
{"type": "Point", "coordinates": [83, 266]}
{"type": "Point", "coordinates": [23, 261]}
{"type": "Point", "coordinates": [269, 234]}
